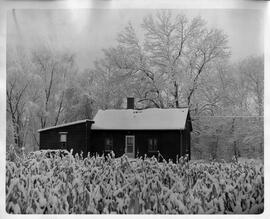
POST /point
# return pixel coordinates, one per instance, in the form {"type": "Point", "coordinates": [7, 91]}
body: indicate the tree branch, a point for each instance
{"type": "Point", "coordinates": [151, 100]}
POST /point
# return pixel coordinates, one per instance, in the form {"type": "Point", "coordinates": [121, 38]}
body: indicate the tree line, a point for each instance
{"type": "Point", "coordinates": [179, 62]}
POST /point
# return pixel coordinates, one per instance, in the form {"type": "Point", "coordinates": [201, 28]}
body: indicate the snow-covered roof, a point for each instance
{"type": "Point", "coordinates": [148, 119]}
{"type": "Point", "coordinates": [66, 124]}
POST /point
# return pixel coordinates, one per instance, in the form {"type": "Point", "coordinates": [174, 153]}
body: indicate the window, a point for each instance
{"type": "Point", "coordinates": [63, 137]}
{"type": "Point", "coordinates": [152, 145]}
{"type": "Point", "coordinates": [130, 143]}
{"type": "Point", "coordinates": [108, 144]}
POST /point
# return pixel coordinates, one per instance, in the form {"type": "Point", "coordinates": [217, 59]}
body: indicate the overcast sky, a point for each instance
{"type": "Point", "coordinates": [87, 31]}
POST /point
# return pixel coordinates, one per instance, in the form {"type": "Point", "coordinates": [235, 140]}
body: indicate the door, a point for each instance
{"type": "Point", "coordinates": [130, 146]}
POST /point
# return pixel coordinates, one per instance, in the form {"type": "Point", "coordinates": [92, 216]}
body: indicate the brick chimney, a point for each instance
{"type": "Point", "coordinates": [130, 103]}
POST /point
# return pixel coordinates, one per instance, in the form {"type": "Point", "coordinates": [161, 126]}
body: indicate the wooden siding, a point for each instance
{"type": "Point", "coordinates": [169, 142]}
{"type": "Point", "coordinates": [77, 137]}
{"type": "Point", "coordinates": [80, 137]}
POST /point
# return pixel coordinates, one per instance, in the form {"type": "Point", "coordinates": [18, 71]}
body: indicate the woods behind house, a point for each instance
{"type": "Point", "coordinates": [179, 62]}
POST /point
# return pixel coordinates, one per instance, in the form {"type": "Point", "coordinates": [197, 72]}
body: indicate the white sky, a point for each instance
{"type": "Point", "coordinates": [87, 31]}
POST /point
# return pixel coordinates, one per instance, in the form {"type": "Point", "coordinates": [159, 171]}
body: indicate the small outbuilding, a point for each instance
{"type": "Point", "coordinates": [125, 131]}
{"type": "Point", "coordinates": [74, 135]}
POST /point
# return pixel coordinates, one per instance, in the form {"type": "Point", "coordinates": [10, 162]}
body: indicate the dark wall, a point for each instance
{"type": "Point", "coordinates": [77, 137]}
{"type": "Point", "coordinates": [80, 137]}
{"type": "Point", "coordinates": [169, 142]}
{"type": "Point", "coordinates": [98, 141]}
{"type": "Point", "coordinates": [186, 144]}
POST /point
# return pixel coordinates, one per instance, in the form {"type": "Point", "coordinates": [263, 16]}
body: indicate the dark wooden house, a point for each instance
{"type": "Point", "coordinates": [74, 135]}
{"type": "Point", "coordinates": [125, 131]}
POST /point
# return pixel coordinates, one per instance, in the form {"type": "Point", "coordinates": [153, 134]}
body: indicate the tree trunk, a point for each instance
{"type": "Point", "coordinates": [176, 94]}
{"type": "Point", "coordinates": [235, 149]}
{"type": "Point", "coordinates": [16, 132]}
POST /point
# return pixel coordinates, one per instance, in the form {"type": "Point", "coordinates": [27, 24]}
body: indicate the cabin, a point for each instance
{"type": "Point", "coordinates": [128, 131]}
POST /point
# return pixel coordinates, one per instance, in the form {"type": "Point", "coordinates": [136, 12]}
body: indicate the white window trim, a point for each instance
{"type": "Point", "coordinates": [128, 136]}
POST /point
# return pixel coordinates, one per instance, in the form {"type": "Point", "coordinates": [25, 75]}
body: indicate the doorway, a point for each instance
{"type": "Point", "coordinates": [130, 146]}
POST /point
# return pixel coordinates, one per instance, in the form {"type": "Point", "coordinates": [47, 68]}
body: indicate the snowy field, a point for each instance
{"type": "Point", "coordinates": [94, 185]}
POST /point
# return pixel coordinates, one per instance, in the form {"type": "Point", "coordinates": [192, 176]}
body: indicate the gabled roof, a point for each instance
{"type": "Point", "coordinates": [66, 124]}
{"type": "Point", "coordinates": [148, 119]}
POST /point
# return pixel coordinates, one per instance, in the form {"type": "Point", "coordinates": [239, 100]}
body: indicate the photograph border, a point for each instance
{"type": "Point", "coordinates": [7, 5]}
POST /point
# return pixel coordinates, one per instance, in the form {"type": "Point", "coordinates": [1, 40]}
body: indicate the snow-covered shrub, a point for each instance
{"type": "Point", "coordinates": [71, 184]}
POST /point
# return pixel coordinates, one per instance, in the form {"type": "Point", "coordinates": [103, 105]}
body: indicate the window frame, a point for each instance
{"type": "Point", "coordinates": [108, 147]}
{"type": "Point", "coordinates": [132, 138]}
{"type": "Point", "coordinates": [63, 134]}
{"type": "Point", "coordinates": [152, 147]}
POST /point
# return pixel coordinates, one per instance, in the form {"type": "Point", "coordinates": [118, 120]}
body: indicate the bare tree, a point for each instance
{"type": "Point", "coordinates": [170, 60]}
{"type": "Point", "coordinates": [54, 70]}
{"type": "Point", "coordinates": [16, 106]}
{"type": "Point", "coordinates": [182, 49]}
{"type": "Point", "coordinates": [251, 71]}
{"type": "Point", "coordinates": [18, 83]}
